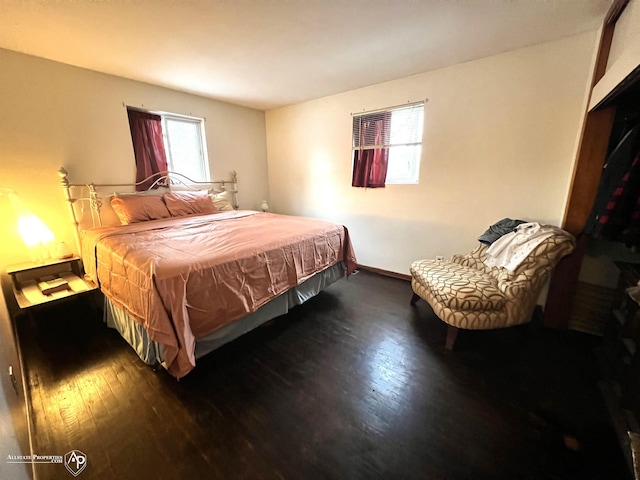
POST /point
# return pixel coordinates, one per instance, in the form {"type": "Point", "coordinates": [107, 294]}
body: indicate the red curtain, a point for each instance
{"type": "Point", "coordinates": [370, 165]}
{"type": "Point", "coordinates": [148, 148]}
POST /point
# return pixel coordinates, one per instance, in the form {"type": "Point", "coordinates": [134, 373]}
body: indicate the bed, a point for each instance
{"type": "Point", "coordinates": [184, 273]}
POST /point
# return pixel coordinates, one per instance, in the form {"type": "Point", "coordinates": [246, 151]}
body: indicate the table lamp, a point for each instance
{"type": "Point", "coordinates": [34, 233]}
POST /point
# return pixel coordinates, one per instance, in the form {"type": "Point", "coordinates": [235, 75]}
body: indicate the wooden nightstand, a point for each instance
{"type": "Point", "coordinates": [26, 276]}
{"type": "Point", "coordinates": [24, 298]}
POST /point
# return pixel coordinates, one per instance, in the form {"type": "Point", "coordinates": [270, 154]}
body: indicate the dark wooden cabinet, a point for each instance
{"type": "Point", "coordinates": [25, 280]}
{"type": "Point", "coordinates": [23, 297]}
{"type": "Point", "coordinates": [595, 137]}
{"type": "Point", "coordinates": [620, 362]}
{"type": "Point", "coordinates": [11, 381]}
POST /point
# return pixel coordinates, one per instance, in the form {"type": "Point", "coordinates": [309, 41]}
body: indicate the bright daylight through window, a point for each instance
{"type": "Point", "coordinates": [185, 146]}
{"type": "Point", "coordinates": [167, 141]}
{"type": "Point", "coordinates": [387, 146]}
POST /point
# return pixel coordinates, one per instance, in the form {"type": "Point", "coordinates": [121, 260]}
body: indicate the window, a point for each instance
{"type": "Point", "coordinates": [165, 141]}
{"type": "Point", "coordinates": [185, 145]}
{"type": "Point", "coordinates": [387, 145]}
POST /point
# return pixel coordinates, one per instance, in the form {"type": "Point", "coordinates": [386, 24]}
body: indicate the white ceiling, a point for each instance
{"type": "Point", "coordinates": [269, 53]}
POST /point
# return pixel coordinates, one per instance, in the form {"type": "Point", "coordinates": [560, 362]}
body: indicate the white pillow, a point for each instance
{"type": "Point", "coordinates": [222, 201]}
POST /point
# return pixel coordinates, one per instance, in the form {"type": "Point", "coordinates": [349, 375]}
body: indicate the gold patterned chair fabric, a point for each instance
{"type": "Point", "coordinates": [465, 293]}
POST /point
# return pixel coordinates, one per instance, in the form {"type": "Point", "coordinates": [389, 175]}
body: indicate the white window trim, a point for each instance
{"type": "Point", "coordinates": [165, 140]}
{"type": "Point", "coordinates": [415, 179]}
{"type": "Point", "coordinates": [203, 140]}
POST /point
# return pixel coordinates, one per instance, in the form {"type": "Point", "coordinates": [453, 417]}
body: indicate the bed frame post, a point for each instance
{"type": "Point", "coordinates": [234, 191]}
{"type": "Point", "coordinates": [234, 180]}
{"type": "Point", "coordinates": [70, 201]}
{"type": "Point", "coordinates": [95, 203]}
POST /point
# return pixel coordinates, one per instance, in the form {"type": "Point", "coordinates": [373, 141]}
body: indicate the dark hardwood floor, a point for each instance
{"type": "Point", "coordinates": [355, 384]}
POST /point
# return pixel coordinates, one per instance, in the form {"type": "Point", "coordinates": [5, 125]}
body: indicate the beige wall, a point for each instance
{"type": "Point", "coordinates": [54, 115]}
{"type": "Point", "coordinates": [499, 141]}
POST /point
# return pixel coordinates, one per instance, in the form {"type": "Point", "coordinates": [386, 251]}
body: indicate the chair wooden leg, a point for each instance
{"type": "Point", "coordinates": [414, 299]}
{"type": "Point", "coordinates": [452, 334]}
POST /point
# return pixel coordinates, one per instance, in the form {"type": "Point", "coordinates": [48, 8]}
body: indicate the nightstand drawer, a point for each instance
{"type": "Point", "coordinates": [25, 279]}
{"type": "Point", "coordinates": [30, 293]}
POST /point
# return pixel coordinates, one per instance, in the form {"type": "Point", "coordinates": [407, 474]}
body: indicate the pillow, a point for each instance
{"type": "Point", "coordinates": [108, 216]}
{"type": "Point", "coordinates": [221, 201]}
{"type": "Point", "coordinates": [188, 203]}
{"type": "Point", "coordinates": [139, 208]}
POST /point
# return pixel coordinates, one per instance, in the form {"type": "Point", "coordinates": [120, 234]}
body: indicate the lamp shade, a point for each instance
{"type": "Point", "coordinates": [34, 233]}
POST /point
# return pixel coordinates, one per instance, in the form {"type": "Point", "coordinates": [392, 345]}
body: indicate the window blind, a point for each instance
{"type": "Point", "coordinates": [401, 126]}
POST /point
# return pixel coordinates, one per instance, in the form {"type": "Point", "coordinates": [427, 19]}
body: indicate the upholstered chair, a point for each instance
{"type": "Point", "coordinates": [465, 293]}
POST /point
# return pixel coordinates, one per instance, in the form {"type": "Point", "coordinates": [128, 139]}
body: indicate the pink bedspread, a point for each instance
{"type": "Point", "coordinates": [183, 278]}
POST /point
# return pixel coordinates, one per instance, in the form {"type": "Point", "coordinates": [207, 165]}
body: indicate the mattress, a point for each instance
{"type": "Point", "coordinates": [150, 352]}
{"type": "Point", "coordinates": [184, 278]}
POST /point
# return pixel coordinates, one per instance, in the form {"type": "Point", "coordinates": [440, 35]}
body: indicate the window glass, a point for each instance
{"type": "Point", "coordinates": [186, 150]}
{"type": "Point", "coordinates": [397, 131]}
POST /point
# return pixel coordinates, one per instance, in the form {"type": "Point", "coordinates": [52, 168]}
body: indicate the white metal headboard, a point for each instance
{"type": "Point", "coordinates": [80, 195]}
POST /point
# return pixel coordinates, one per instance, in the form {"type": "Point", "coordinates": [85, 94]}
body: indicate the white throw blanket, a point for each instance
{"type": "Point", "coordinates": [511, 249]}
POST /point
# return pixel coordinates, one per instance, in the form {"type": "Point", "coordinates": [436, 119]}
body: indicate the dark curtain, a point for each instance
{"type": "Point", "coordinates": [620, 219]}
{"type": "Point", "coordinates": [148, 148]}
{"type": "Point", "coordinates": [615, 215]}
{"type": "Point", "coordinates": [370, 165]}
